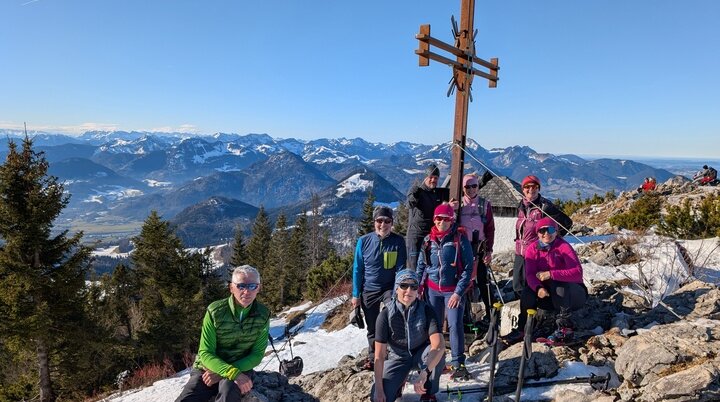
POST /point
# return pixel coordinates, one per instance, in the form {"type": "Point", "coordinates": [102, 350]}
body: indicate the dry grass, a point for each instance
{"type": "Point", "coordinates": [338, 318]}
{"type": "Point", "coordinates": [682, 366]}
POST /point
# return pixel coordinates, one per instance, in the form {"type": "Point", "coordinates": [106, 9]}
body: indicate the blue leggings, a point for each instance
{"type": "Point", "coordinates": [439, 301]}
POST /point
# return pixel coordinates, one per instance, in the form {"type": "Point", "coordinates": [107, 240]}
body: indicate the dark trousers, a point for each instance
{"type": "Point", "coordinates": [519, 274]}
{"type": "Point", "coordinates": [370, 304]}
{"type": "Point", "coordinates": [438, 301]}
{"type": "Point", "coordinates": [483, 284]}
{"type": "Point", "coordinates": [413, 242]}
{"type": "Point", "coordinates": [196, 391]}
{"type": "Point", "coordinates": [396, 371]}
{"type": "Point", "coordinates": [565, 297]}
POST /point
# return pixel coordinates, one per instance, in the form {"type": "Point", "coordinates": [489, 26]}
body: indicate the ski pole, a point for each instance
{"type": "Point", "coordinates": [527, 351]}
{"type": "Point", "coordinates": [597, 382]}
{"type": "Point", "coordinates": [491, 338]}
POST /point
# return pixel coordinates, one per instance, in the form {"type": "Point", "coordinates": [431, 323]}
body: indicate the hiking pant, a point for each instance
{"type": "Point", "coordinates": [519, 280]}
{"type": "Point", "coordinates": [483, 284]}
{"type": "Point", "coordinates": [414, 242]}
{"type": "Point", "coordinates": [565, 297]}
{"type": "Point", "coordinates": [396, 371]}
{"type": "Point", "coordinates": [224, 391]}
{"type": "Point", "coordinates": [370, 303]}
{"type": "Point", "coordinates": [439, 301]}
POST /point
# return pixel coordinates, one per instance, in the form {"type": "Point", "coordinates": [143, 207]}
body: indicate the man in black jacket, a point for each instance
{"type": "Point", "coordinates": [422, 200]}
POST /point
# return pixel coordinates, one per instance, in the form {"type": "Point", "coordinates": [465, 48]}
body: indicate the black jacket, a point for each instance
{"type": "Point", "coordinates": [422, 202]}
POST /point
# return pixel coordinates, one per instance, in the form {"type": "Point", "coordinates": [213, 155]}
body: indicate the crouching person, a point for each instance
{"type": "Point", "coordinates": [410, 332]}
{"type": "Point", "coordinates": [232, 342]}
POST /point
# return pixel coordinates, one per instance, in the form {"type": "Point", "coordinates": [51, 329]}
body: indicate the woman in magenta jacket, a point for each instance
{"type": "Point", "coordinates": [554, 279]}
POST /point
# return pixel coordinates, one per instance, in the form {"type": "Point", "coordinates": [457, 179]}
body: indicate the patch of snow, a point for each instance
{"type": "Point", "coordinates": [352, 184]}
{"type": "Point", "coordinates": [157, 183]}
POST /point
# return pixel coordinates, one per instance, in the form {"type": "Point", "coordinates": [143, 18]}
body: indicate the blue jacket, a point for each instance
{"type": "Point", "coordinates": [449, 269]}
{"type": "Point", "coordinates": [376, 262]}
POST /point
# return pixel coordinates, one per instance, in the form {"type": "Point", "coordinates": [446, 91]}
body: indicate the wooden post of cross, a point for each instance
{"type": "Point", "coordinates": [464, 69]}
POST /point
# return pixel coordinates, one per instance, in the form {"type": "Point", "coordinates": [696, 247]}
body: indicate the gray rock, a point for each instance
{"type": "Point", "coordinates": [543, 363]}
{"type": "Point", "coordinates": [699, 383]}
{"type": "Point", "coordinates": [649, 356]}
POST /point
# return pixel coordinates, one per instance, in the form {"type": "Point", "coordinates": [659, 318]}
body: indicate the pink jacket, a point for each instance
{"type": "Point", "coordinates": [559, 258]}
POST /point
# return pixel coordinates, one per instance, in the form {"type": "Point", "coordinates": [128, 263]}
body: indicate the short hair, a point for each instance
{"type": "Point", "coordinates": [245, 270]}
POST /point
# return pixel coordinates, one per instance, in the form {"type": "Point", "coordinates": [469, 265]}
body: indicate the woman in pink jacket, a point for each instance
{"type": "Point", "coordinates": [554, 282]}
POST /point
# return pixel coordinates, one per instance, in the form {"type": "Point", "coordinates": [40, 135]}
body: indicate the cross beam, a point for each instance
{"type": "Point", "coordinates": [465, 68]}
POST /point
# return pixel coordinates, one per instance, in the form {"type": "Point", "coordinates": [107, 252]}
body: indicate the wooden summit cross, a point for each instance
{"type": "Point", "coordinates": [464, 69]}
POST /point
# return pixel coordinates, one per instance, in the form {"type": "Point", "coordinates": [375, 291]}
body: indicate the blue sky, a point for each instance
{"type": "Point", "coordinates": [613, 77]}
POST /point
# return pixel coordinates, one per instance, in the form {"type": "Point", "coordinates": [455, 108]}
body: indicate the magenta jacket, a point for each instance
{"type": "Point", "coordinates": [559, 258]}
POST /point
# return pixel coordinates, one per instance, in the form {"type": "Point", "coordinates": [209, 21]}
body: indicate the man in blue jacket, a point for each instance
{"type": "Point", "coordinates": [378, 256]}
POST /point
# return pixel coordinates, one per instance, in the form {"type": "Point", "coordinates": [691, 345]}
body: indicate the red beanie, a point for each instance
{"type": "Point", "coordinates": [545, 222]}
{"type": "Point", "coordinates": [444, 210]}
{"type": "Point", "coordinates": [530, 179]}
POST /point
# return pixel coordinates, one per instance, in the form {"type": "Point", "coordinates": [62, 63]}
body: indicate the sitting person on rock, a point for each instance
{"type": "Point", "coordinates": [233, 340]}
{"type": "Point", "coordinates": [410, 332]}
{"type": "Point", "coordinates": [554, 282]}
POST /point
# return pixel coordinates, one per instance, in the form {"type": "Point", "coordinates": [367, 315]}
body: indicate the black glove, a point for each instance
{"type": "Point", "coordinates": [486, 177]}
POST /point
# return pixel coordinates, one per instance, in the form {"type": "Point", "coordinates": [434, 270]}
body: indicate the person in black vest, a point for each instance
{"type": "Point", "coordinates": [409, 336]}
{"type": "Point", "coordinates": [422, 200]}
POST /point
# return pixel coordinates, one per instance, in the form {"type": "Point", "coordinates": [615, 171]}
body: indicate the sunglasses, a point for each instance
{"type": "Point", "coordinates": [549, 230]}
{"type": "Point", "coordinates": [529, 186]}
{"type": "Point", "coordinates": [383, 220]}
{"type": "Point", "coordinates": [248, 286]}
{"type": "Point", "coordinates": [471, 186]}
{"type": "Point", "coordinates": [443, 218]}
{"type": "Point", "coordinates": [405, 286]}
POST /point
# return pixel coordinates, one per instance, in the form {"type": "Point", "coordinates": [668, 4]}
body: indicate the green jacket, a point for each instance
{"type": "Point", "coordinates": [233, 338]}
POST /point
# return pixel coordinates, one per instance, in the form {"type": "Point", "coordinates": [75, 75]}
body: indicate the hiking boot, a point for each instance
{"type": "Point", "coordinates": [561, 336]}
{"type": "Point", "coordinates": [460, 373]}
{"type": "Point", "coordinates": [369, 365]}
{"type": "Point", "coordinates": [513, 337]}
{"type": "Point", "coordinates": [428, 398]}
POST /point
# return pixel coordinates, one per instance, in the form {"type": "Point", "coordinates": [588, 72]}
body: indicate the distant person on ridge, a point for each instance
{"type": "Point", "coordinates": [554, 282]}
{"type": "Point", "coordinates": [700, 175]}
{"type": "Point", "coordinates": [233, 340]}
{"type": "Point", "coordinates": [709, 176]}
{"type": "Point", "coordinates": [532, 208]}
{"type": "Point", "coordinates": [422, 200]}
{"type": "Point", "coordinates": [445, 267]}
{"type": "Point", "coordinates": [409, 330]}
{"type": "Point", "coordinates": [378, 256]}
{"type": "Point", "coordinates": [648, 185]}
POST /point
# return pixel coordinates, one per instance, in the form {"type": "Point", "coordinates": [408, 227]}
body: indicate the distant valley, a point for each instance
{"type": "Point", "coordinates": [208, 185]}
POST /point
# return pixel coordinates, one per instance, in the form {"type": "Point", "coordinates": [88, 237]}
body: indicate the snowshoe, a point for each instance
{"type": "Point", "coordinates": [561, 337]}
{"type": "Point", "coordinates": [460, 374]}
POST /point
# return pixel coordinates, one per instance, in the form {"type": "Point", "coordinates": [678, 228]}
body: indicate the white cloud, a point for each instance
{"type": "Point", "coordinates": [65, 129]}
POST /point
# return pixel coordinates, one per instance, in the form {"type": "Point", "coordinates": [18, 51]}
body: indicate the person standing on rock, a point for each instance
{"type": "Point", "coordinates": [445, 267]}
{"type": "Point", "coordinates": [409, 336]}
{"type": "Point", "coordinates": [554, 283]}
{"type": "Point", "coordinates": [378, 256]}
{"type": "Point", "coordinates": [421, 201]}
{"type": "Point", "coordinates": [233, 340]}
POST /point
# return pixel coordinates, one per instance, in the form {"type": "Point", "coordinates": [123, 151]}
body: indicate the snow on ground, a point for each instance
{"type": "Point", "coordinates": [322, 350]}
{"type": "Point", "coordinates": [352, 184]}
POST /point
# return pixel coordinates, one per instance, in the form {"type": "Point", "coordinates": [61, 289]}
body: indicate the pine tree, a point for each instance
{"type": "Point", "coordinates": [259, 245]}
{"type": "Point", "coordinates": [298, 253]}
{"type": "Point", "coordinates": [279, 268]}
{"type": "Point", "coordinates": [401, 219]}
{"type": "Point", "coordinates": [367, 223]}
{"type": "Point", "coordinates": [239, 253]}
{"type": "Point", "coordinates": [42, 275]}
{"type": "Point", "coordinates": [318, 237]}
{"type": "Point", "coordinates": [167, 281]}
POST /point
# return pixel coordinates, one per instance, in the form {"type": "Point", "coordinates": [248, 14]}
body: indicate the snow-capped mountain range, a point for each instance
{"type": "Point", "coordinates": [124, 175]}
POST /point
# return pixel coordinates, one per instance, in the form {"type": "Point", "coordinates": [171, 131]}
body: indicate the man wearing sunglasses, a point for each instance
{"type": "Point", "coordinates": [554, 283]}
{"type": "Point", "coordinates": [408, 329]}
{"type": "Point", "coordinates": [378, 256]}
{"type": "Point", "coordinates": [233, 340]}
{"type": "Point", "coordinates": [421, 201]}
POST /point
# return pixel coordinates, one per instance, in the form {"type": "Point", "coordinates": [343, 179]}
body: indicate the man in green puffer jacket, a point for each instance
{"type": "Point", "coordinates": [232, 342]}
